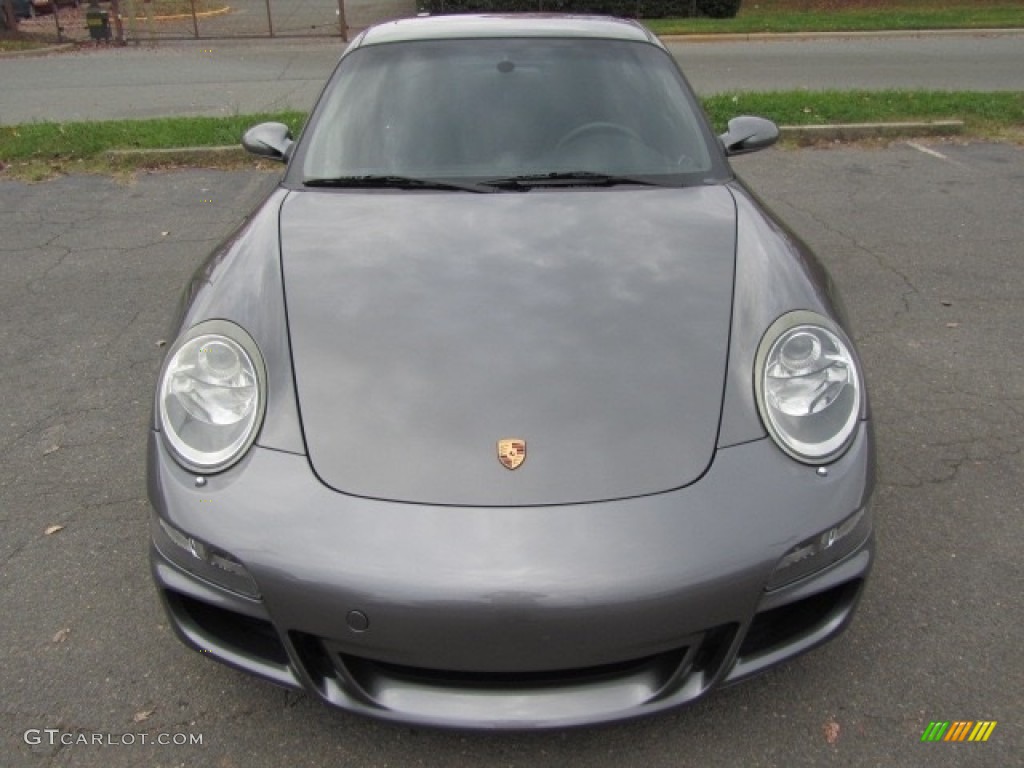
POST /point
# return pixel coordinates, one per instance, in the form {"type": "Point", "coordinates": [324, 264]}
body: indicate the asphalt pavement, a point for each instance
{"type": "Point", "coordinates": [225, 77]}
{"type": "Point", "coordinates": [923, 241]}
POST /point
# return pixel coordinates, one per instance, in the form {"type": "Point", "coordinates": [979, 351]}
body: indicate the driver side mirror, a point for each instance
{"type": "Point", "coordinates": [273, 140]}
{"type": "Point", "coordinates": [748, 134]}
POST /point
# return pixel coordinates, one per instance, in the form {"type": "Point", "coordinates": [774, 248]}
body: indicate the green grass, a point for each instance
{"type": "Point", "coordinates": [988, 113]}
{"type": "Point", "coordinates": [782, 16]}
{"type": "Point", "coordinates": [80, 141]}
{"type": "Point", "coordinates": [39, 149]}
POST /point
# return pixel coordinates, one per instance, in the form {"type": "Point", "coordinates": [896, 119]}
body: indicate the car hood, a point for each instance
{"type": "Point", "coordinates": [592, 324]}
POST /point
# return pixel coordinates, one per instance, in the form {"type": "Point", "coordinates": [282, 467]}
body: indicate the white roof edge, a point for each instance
{"type": "Point", "coordinates": [505, 25]}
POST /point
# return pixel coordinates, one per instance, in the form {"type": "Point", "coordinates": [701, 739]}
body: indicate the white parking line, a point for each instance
{"type": "Point", "coordinates": [927, 151]}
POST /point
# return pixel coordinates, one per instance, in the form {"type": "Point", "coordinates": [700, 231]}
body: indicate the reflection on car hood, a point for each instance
{"type": "Point", "coordinates": [427, 326]}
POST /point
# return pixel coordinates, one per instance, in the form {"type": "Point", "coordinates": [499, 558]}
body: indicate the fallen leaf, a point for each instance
{"type": "Point", "coordinates": [52, 529]}
{"type": "Point", "coordinates": [831, 730]}
{"type": "Point", "coordinates": [52, 438]}
{"type": "Point", "coordinates": [952, 325]}
{"type": "Point", "coordinates": [164, 234]}
{"type": "Point", "coordinates": [946, 303]}
{"type": "Point", "coordinates": [62, 635]}
{"type": "Point", "coordinates": [142, 715]}
{"type": "Point", "coordinates": [161, 343]}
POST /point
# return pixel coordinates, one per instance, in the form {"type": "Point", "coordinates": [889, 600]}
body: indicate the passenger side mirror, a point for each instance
{"type": "Point", "coordinates": [748, 134]}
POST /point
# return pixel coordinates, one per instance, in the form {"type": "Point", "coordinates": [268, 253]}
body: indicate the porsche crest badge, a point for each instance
{"type": "Point", "coordinates": [511, 452]}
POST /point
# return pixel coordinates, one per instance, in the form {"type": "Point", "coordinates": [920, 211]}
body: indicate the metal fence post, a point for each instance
{"type": "Point", "coordinates": [115, 11]}
{"type": "Point", "coordinates": [133, 28]}
{"type": "Point", "coordinates": [56, 22]}
{"type": "Point", "coordinates": [342, 22]}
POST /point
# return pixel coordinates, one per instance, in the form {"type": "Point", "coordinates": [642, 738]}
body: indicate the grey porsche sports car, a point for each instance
{"type": "Point", "coordinates": [510, 407]}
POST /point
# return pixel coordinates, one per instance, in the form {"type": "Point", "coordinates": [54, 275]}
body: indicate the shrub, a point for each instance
{"type": "Point", "coordinates": [718, 9]}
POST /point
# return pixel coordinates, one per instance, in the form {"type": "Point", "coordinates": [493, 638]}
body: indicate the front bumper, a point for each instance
{"type": "Point", "coordinates": [513, 617]}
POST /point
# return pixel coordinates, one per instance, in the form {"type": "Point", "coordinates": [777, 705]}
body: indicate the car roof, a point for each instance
{"type": "Point", "coordinates": [503, 25]}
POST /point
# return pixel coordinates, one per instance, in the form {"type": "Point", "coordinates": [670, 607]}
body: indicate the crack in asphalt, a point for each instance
{"type": "Point", "coordinates": [5, 449]}
{"type": "Point", "coordinates": [93, 506]}
{"type": "Point", "coordinates": [911, 289]}
{"type": "Point", "coordinates": [56, 417]}
{"type": "Point", "coordinates": [14, 553]}
{"type": "Point", "coordinates": [954, 465]}
{"type": "Point", "coordinates": [29, 284]}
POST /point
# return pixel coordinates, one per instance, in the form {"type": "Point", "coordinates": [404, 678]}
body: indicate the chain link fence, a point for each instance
{"type": "Point", "coordinates": [153, 20]}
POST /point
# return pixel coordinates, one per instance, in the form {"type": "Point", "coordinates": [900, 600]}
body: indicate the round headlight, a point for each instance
{"type": "Point", "coordinates": [809, 389]}
{"type": "Point", "coordinates": [211, 396]}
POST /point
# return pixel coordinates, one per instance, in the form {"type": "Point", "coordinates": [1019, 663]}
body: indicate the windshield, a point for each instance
{"type": "Point", "coordinates": [492, 109]}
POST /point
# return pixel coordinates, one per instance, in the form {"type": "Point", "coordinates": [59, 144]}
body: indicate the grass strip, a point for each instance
{"type": "Point", "coordinates": [987, 114]}
{"type": "Point", "coordinates": [79, 141]}
{"type": "Point", "coordinates": [898, 16]}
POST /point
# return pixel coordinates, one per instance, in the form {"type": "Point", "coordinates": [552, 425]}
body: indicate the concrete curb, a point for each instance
{"type": "Point", "coordinates": [858, 131]}
{"type": "Point", "coordinates": [37, 51]}
{"type": "Point", "coordinates": [767, 37]}
{"type": "Point", "coordinates": [143, 158]}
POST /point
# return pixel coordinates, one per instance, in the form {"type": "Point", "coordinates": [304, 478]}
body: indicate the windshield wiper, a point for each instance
{"type": "Point", "coordinates": [396, 182]}
{"type": "Point", "coordinates": [571, 179]}
{"type": "Point", "coordinates": [520, 183]}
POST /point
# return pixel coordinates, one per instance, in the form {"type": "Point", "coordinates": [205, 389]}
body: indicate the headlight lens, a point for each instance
{"type": "Point", "coordinates": [809, 388]}
{"type": "Point", "coordinates": [211, 396]}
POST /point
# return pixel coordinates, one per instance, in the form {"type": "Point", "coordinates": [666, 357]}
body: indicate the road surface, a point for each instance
{"type": "Point", "coordinates": [224, 77]}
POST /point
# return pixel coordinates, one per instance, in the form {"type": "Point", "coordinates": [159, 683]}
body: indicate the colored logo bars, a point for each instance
{"type": "Point", "coordinates": [960, 730]}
